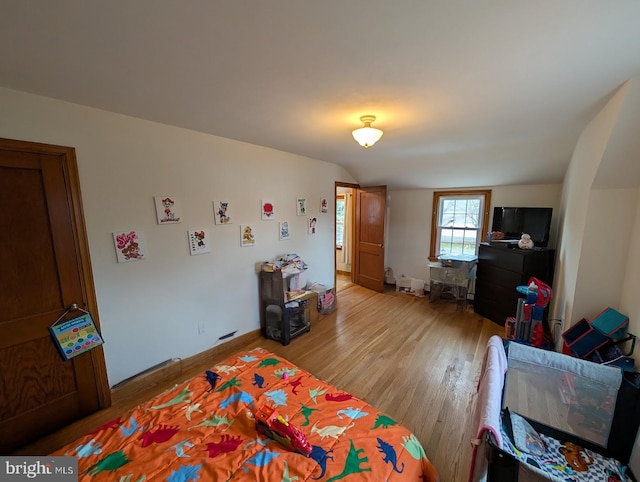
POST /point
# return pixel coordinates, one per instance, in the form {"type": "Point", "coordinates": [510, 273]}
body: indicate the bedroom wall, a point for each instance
{"type": "Point", "coordinates": [151, 310]}
{"type": "Point", "coordinates": [596, 226]}
{"type": "Point", "coordinates": [629, 299]}
{"type": "Point", "coordinates": [410, 222]}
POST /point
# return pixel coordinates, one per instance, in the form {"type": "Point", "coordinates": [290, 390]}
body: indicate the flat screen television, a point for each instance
{"type": "Point", "coordinates": [513, 222]}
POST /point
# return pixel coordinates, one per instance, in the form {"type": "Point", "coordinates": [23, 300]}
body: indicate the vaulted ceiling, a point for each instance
{"type": "Point", "coordinates": [468, 93]}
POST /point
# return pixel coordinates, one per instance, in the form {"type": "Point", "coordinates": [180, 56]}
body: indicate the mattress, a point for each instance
{"type": "Point", "coordinates": [565, 461]}
{"type": "Point", "coordinates": [205, 429]}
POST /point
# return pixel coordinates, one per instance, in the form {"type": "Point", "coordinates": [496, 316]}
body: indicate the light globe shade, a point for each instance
{"type": "Point", "coordinates": [367, 136]}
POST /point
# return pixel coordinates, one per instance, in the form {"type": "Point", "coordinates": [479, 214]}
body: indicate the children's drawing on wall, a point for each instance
{"type": "Point", "coordinates": [284, 230]}
{"type": "Point", "coordinates": [129, 246]}
{"type": "Point", "coordinates": [199, 242]}
{"type": "Point", "coordinates": [268, 211]}
{"type": "Point", "coordinates": [222, 212]}
{"type": "Point", "coordinates": [324, 205]}
{"type": "Point", "coordinates": [247, 238]}
{"type": "Point", "coordinates": [301, 206]}
{"type": "Point", "coordinates": [312, 226]}
{"type": "Point", "coordinates": [167, 209]}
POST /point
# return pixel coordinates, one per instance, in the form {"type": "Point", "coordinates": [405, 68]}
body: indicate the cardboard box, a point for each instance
{"type": "Point", "coordinates": [326, 298]}
{"type": "Point", "coordinates": [327, 301]}
{"type": "Point", "coordinates": [410, 286]}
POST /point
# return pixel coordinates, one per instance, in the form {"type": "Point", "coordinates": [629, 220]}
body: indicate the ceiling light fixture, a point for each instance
{"type": "Point", "coordinates": [367, 136]}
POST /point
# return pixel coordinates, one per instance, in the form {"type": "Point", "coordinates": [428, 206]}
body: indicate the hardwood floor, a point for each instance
{"type": "Point", "coordinates": [417, 361]}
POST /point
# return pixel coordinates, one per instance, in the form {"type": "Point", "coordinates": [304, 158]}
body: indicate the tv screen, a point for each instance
{"type": "Point", "coordinates": [513, 222]}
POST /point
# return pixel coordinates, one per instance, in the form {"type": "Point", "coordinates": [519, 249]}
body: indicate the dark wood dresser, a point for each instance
{"type": "Point", "coordinates": [500, 270]}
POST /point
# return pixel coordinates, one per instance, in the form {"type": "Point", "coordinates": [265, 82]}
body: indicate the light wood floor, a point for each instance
{"type": "Point", "coordinates": [416, 361]}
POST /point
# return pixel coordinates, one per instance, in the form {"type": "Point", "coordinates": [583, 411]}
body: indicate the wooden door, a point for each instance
{"type": "Point", "coordinates": [369, 237]}
{"type": "Point", "coordinates": [44, 268]}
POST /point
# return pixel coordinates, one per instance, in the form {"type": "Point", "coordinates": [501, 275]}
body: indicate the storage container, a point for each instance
{"type": "Point", "coordinates": [453, 276]}
{"type": "Point", "coordinates": [461, 261]}
{"type": "Point", "coordinates": [611, 323]}
{"type": "Point", "coordinates": [582, 339]}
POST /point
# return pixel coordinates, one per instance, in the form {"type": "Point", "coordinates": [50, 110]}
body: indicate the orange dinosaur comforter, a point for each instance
{"type": "Point", "coordinates": [204, 430]}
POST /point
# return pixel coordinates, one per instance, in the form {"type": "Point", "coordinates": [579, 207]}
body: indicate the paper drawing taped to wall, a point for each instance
{"type": "Point", "coordinates": [222, 212]}
{"type": "Point", "coordinates": [247, 238]}
{"type": "Point", "coordinates": [129, 246]}
{"type": "Point", "coordinates": [284, 230]}
{"type": "Point", "coordinates": [301, 206]}
{"type": "Point", "coordinates": [268, 210]}
{"type": "Point", "coordinates": [168, 209]}
{"type": "Point", "coordinates": [199, 241]}
{"type": "Point", "coordinates": [324, 205]}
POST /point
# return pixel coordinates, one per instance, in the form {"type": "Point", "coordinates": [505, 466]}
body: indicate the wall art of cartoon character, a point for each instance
{"type": "Point", "coordinates": [247, 236]}
{"type": "Point", "coordinates": [222, 213]}
{"type": "Point", "coordinates": [199, 238]}
{"type": "Point", "coordinates": [169, 215]}
{"type": "Point", "coordinates": [128, 246]}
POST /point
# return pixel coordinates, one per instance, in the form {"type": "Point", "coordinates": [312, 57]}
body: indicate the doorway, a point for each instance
{"type": "Point", "coordinates": [46, 269]}
{"type": "Point", "coordinates": [344, 229]}
{"type": "Point", "coordinates": [360, 231]}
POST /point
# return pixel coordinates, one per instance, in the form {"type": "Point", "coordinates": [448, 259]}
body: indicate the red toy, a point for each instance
{"type": "Point", "coordinates": [272, 425]}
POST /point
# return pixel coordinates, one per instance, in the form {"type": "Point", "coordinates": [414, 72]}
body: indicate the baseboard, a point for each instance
{"type": "Point", "coordinates": [230, 347]}
{"type": "Point", "coordinates": [147, 379]}
{"type": "Point", "coordinates": [177, 369]}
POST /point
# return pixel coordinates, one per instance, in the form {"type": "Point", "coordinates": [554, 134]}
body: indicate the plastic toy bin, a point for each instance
{"type": "Point", "coordinates": [582, 339]}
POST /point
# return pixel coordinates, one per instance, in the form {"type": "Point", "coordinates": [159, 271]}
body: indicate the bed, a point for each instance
{"type": "Point", "coordinates": [204, 429]}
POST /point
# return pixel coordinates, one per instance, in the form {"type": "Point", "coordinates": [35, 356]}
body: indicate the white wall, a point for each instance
{"type": "Point", "coordinates": [410, 222]}
{"type": "Point", "coordinates": [150, 310]}
{"type": "Point", "coordinates": [600, 279]}
{"type": "Point", "coordinates": [629, 299]}
{"type": "Point", "coordinates": [574, 210]}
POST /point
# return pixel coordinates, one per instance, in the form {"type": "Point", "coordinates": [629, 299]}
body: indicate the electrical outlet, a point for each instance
{"type": "Point", "coordinates": [200, 328]}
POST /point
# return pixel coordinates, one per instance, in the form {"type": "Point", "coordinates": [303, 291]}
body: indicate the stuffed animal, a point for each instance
{"type": "Point", "coordinates": [525, 242]}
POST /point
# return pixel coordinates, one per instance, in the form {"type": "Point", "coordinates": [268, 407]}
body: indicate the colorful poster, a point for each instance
{"type": "Point", "coordinates": [76, 336]}
{"type": "Point", "coordinates": [222, 212]}
{"type": "Point", "coordinates": [168, 210]}
{"type": "Point", "coordinates": [268, 210]}
{"type": "Point", "coordinates": [129, 246]}
{"type": "Point", "coordinates": [247, 238]}
{"type": "Point", "coordinates": [199, 242]}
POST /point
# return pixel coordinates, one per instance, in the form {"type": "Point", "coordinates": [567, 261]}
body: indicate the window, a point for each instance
{"type": "Point", "coordinates": [459, 221]}
{"type": "Point", "coordinates": [340, 205]}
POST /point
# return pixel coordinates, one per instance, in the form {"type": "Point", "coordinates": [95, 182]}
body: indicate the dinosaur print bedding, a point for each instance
{"type": "Point", "coordinates": [204, 430]}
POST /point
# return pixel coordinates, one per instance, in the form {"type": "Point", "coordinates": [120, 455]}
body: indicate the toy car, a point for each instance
{"type": "Point", "coordinates": [272, 425]}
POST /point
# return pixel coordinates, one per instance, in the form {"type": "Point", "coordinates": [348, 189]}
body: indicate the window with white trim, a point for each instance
{"type": "Point", "coordinates": [459, 222]}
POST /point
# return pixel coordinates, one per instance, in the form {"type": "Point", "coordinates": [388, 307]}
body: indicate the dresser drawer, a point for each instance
{"type": "Point", "coordinates": [500, 276]}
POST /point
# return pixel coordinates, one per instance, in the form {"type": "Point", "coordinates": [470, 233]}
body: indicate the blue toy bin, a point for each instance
{"type": "Point", "coordinates": [581, 339]}
{"type": "Point", "coordinates": [611, 323]}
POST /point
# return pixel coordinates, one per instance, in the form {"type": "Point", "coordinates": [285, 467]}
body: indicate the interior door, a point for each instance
{"type": "Point", "coordinates": [369, 237]}
{"type": "Point", "coordinates": [45, 268]}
